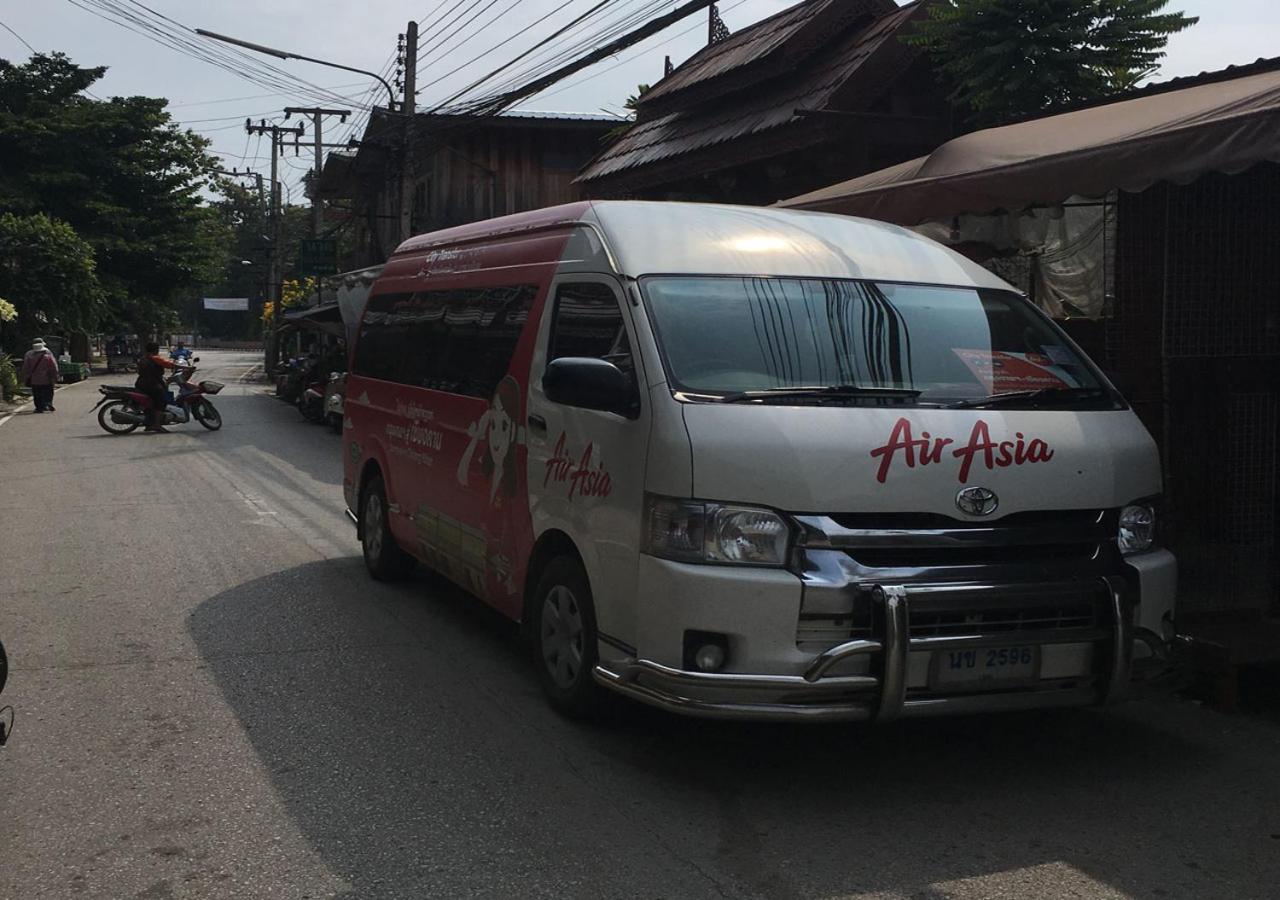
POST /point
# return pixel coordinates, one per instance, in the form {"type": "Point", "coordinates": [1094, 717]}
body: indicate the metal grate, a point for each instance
{"type": "Point", "coordinates": [1035, 617]}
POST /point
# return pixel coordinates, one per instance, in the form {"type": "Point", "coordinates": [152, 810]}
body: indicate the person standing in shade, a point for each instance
{"type": "Point", "coordinates": [40, 373]}
{"type": "Point", "coordinates": [150, 381]}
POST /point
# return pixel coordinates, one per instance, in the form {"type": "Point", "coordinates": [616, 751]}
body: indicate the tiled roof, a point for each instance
{"type": "Point", "coordinates": [763, 107]}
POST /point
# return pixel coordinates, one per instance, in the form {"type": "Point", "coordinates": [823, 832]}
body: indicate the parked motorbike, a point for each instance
{"type": "Point", "coordinates": [123, 407]}
{"type": "Point", "coordinates": [6, 721]}
{"type": "Point", "coordinates": [311, 403]}
{"type": "Point", "coordinates": [289, 378]}
{"type": "Point", "coordinates": [334, 401]}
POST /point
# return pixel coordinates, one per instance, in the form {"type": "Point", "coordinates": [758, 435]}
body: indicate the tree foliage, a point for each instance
{"type": "Point", "coordinates": [51, 270]}
{"type": "Point", "coordinates": [1008, 58]}
{"type": "Point", "coordinates": [121, 174]}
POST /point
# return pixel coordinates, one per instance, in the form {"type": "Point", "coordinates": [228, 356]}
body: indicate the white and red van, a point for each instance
{"type": "Point", "coordinates": [756, 463]}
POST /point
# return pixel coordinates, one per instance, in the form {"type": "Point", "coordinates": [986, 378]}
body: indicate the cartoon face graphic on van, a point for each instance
{"type": "Point", "coordinates": [498, 429]}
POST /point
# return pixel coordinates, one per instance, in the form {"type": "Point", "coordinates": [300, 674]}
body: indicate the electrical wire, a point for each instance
{"type": "Point", "coordinates": [497, 46]}
{"type": "Point", "coordinates": [332, 87]}
{"type": "Point", "coordinates": [640, 51]}
{"type": "Point", "coordinates": [554, 55]}
{"type": "Point", "coordinates": [19, 37]}
{"type": "Point", "coordinates": [167, 32]}
{"type": "Point", "coordinates": [600, 5]}
{"type": "Point", "coordinates": [545, 56]}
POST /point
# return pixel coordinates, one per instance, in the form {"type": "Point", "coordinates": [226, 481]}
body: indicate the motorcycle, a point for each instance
{"type": "Point", "coordinates": [334, 400]}
{"type": "Point", "coordinates": [6, 721]}
{"type": "Point", "coordinates": [123, 407]}
{"type": "Point", "coordinates": [311, 403]}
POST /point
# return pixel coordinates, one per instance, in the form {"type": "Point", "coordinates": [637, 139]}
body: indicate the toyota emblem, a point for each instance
{"type": "Point", "coordinates": [977, 501]}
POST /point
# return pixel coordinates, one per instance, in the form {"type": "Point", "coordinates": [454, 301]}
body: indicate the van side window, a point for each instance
{"type": "Point", "coordinates": [588, 322]}
{"type": "Point", "coordinates": [459, 341]}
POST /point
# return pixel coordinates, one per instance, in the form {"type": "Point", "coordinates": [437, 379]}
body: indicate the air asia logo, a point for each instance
{"type": "Point", "coordinates": [927, 450]}
{"type": "Point", "coordinates": [582, 478]}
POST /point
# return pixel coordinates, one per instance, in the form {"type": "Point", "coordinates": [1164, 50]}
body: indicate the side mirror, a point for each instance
{"type": "Point", "coordinates": [195, 359]}
{"type": "Point", "coordinates": [589, 384]}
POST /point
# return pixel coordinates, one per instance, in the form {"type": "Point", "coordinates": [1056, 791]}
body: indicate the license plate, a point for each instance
{"type": "Point", "coordinates": [981, 665]}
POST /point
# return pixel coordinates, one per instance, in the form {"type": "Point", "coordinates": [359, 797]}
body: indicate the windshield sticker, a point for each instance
{"type": "Point", "coordinates": [1001, 371]}
{"type": "Point", "coordinates": [928, 449]}
{"type": "Point", "coordinates": [582, 478]}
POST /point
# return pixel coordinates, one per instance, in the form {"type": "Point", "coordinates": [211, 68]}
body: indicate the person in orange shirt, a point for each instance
{"type": "Point", "coordinates": [150, 381]}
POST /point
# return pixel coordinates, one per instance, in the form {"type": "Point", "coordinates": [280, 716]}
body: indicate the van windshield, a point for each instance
{"type": "Point", "coordinates": [795, 339]}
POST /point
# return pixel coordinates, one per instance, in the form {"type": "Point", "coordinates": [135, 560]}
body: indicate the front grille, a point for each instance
{"type": "Point", "coordinates": [1065, 614]}
{"type": "Point", "coordinates": [930, 540]}
{"type": "Point", "coordinates": [818, 632]}
{"type": "Point", "coordinates": [1083, 519]}
{"type": "Point", "coordinates": [901, 557]}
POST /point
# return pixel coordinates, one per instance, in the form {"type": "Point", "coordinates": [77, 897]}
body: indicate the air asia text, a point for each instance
{"type": "Point", "coordinates": [927, 450]}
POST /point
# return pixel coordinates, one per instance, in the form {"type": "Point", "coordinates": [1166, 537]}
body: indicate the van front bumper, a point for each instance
{"type": "Point", "coordinates": [825, 691]}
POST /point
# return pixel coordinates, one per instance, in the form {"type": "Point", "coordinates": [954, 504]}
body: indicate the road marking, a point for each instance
{"type": "Point", "coordinates": [15, 412]}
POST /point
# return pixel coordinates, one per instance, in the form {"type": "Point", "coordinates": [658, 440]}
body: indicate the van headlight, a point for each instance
{"type": "Point", "coordinates": [1137, 528]}
{"type": "Point", "coordinates": [723, 533]}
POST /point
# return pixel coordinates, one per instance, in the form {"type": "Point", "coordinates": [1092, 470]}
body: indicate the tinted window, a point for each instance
{"type": "Point", "coordinates": [460, 341]}
{"type": "Point", "coordinates": [723, 335]}
{"type": "Point", "coordinates": [589, 323]}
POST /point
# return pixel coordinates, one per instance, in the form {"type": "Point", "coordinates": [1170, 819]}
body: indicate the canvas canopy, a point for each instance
{"type": "Point", "coordinates": [1177, 135]}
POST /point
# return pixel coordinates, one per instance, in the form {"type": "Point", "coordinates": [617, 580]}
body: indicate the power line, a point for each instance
{"type": "Point", "coordinates": [639, 52]}
{"type": "Point", "coordinates": [167, 32]}
{"type": "Point", "coordinates": [333, 87]}
{"type": "Point", "coordinates": [542, 43]}
{"type": "Point", "coordinates": [496, 46]}
{"type": "Point", "coordinates": [547, 56]}
{"type": "Point", "coordinates": [19, 37]}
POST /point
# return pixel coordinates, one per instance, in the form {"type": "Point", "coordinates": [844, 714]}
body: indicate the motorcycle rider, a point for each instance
{"type": "Point", "coordinates": [150, 381]}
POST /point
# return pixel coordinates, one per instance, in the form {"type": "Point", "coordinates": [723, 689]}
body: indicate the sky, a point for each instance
{"type": "Point", "coordinates": [474, 36]}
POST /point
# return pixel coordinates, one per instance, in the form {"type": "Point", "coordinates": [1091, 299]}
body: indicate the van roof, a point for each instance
{"type": "Point", "coordinates": [650, 237]}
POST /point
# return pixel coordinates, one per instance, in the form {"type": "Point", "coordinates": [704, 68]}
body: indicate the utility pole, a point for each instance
{"type": "Point", "coordinates": [317, 115]}
{"type": "Point", "coordinates": [407, 108]}
{"type": "Point", "coordinates": [257, 177]}
{"type": "Point", "coordinates": [274, 267]}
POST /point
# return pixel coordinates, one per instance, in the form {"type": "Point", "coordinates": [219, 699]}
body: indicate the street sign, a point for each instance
{"type": "Point", "coordinates": [226, 303]}
{"type": "Point", "coordinates": [318, 256]}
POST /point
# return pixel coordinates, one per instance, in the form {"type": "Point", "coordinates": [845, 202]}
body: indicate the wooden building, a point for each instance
{"type": "Point", "coordinates": [820, 92]}
{"type": "Point", "coordinates": [1184, 181]}
{"type": "Point", "coordinates": [458, 169]}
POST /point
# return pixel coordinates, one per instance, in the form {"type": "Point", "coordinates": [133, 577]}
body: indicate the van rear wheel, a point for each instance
{"type": "Point", "coordinates": [383, 557]}
{"type": "Point", "coordinates": [563, 621]}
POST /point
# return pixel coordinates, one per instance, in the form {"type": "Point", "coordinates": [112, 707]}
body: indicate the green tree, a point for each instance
{"type": "Point", "coordinates": [1008, 58]}
{"type": "Point", "coordinates": [121, 174]}
{"type": "Point", "coordinates": [50, 270]}
{"type": "Point", "coordinates": [242, 216]}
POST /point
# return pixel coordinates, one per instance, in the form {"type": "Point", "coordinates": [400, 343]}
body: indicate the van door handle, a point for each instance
{"type": "Point", "coordinates": [538, 424]}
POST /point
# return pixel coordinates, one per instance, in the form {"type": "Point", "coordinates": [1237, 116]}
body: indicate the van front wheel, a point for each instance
{"type": "Point", "coordinates": [564, 637]}
{"type": "Point", "coordinates": [382, 555]}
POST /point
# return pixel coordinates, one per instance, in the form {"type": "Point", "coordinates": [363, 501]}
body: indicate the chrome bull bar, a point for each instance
{"type": "Point", "coordinates": [816, 695]}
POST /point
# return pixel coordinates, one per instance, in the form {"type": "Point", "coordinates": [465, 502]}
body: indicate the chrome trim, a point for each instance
{"type": "Point", "coordinates": [808, 696]}
{"type": "Point", "coordinates": [776, 712]}
{"type": "Point", "coordinates": [894, 691]}
{"type": "Point", "coordinates": [825, 532]}
{"type": "Point", "coordinates": [828, 658]}
{"type": "Point", "coordinates": [352, 516]}
{"type": "Point", "coordinates": [633, 669]}
{"type": "Point", "coordinates": [1121, 643]}
{"type": "Point", "coordinates": [1002, 702]}
{"type": "Point", "coordinates": [1009, 638]}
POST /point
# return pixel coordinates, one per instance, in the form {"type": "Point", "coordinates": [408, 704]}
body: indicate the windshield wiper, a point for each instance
{"type": "Point", "coordinates": [827, 391]}
{"type": "Point", "coordinates": [1062, 394]}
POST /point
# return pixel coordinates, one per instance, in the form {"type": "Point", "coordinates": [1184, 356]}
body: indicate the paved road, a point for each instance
{"type": "Point", "coordinates": [214, 701]}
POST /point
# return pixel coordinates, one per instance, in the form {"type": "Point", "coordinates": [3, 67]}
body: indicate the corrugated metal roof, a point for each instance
{"type": "Point", "coordinates": [757, 110]}
{"type": "Point", "coordinates": [571, 116]}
